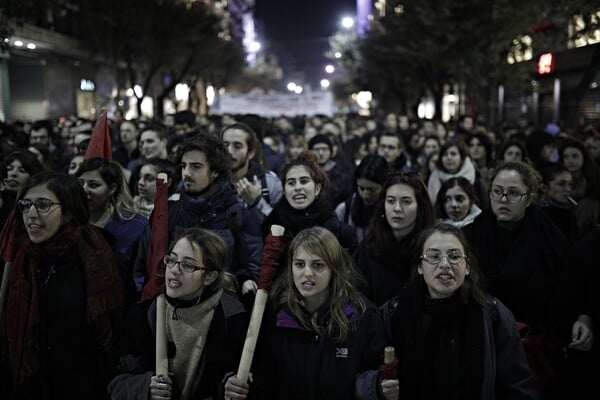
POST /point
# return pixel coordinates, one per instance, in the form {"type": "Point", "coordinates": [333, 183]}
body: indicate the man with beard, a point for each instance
{"type": "Point", "coordinates": [209, 200]}
{"type": "Point", "coordinates": [258, 188]}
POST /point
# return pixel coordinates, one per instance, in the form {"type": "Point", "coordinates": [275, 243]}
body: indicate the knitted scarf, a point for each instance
{"type": "Point", "coordinates": [296, 220]}
{"type": "Point", "coordinates": [23, 319]}
{"type": "Point", "coordinates": [187, 328]}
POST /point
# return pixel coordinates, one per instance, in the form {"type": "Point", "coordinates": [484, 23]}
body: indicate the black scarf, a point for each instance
{"type": "Point", "coordinates": [210, 203]}
{"type": "Point", "coordinates": [424, 332]}
{"type": "Point", "coordinates": [360, 212]}
{"type": "Point", "coordinates": [296, 220]}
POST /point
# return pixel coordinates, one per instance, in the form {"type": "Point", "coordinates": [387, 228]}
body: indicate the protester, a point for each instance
{"type": "Point", "coordinates": [64, 296]}
{"type": "Point", "coordinates": [208, 200]}
{"type": "Point", "coordinates": [15, 169]}
{"type": "Point", "coordinates": [205, 327]}
{"type": "Point", "coordinates": [453, 162]}
{"type": "Point", "coordinates": [556, 199]}
{"type": "Point", "coordinates": [451, 339]}
{"type": "Point", "coordinates": [111, 208]}
{"type": "Point", "coordinates": [319, 339]}
{"type": "Point", "coordinates": [456, 202]}
{"type": "Point", "coordinates": [258, 188]}
{"type": "Point", "coordinates": [304, 203]}
{"type": "Point", "coordinates": [384, 257]}
{"type": "Point", "coordinates": [357, 210]}
{"type": "Point", "coordinates": [143, 201]}
{"type": "Point", "coordinates": [527, 262]}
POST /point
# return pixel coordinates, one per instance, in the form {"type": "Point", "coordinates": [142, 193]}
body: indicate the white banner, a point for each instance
{"type": "Point", "coordinates": [274, 104]}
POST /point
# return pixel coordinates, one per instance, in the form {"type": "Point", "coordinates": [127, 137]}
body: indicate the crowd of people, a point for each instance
{"type": "Point", "coordinates": [466, 248]}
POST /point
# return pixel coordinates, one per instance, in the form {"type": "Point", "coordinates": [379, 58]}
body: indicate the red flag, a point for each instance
{"type": "Point", "coordinates": [159, 242]}
{"type": "Point", "coordinates": [8, 247]}
{"type": "Point", "coordinates": [100, 145]}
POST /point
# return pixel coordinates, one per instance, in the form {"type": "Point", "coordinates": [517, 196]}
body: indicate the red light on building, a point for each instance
{"type": "Point", "coordinates": [545, 63]}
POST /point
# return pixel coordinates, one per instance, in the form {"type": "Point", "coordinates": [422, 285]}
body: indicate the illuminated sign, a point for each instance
{"type": "Point", "coordinates": [87, 85]}
{"type": "Point", "coordinates": [545, 63]}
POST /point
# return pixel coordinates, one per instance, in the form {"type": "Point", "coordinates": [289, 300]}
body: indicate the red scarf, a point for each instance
{"type": "Point", "coordinates": [103, 293]}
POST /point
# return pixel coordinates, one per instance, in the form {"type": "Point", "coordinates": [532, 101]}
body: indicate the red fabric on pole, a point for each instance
{"type": "Point", "coordinates": [272, 252]}
{"type": "Point", "coordinates": [8, 246]}
{"type": "Point", "coordinates": [159, 243]}
{"type": "Point", "coordinates": [100, 144]}
{"type": "Point", "coordinates": [389, 370]}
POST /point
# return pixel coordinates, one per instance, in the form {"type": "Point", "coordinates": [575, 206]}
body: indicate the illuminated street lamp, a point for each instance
{"type": "Point", "coordinates": [347, 22]}
{"type": "Point", "coordinates": [337, 54]}
{"type": "Point", "coordinates": [324, 83]}
{"type": "Point", "coordinates": [329, 69]}
{"type": "Point", "coordinates": [291, 86]}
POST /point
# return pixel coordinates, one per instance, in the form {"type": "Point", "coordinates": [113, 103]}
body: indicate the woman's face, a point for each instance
{"type": "Point", "coordinates": [572, 159]}
{"type": "Point", "coordinates": [368, 190]}
{"type": "Point", "coordinates": [300, 189]}
{"type": "Point", "coordinates": [451, 160]}
{"type": "Point", "coordinates": [16, 176]}
{"type": "Point", "coordinates": [74, 164]}
{"type": "Point", "coordinates": [513, 153]}
{"type": "Point", "coordinates": [476, 149]}
{"type": "Point", "coordinates": [401, 209]}
{"type": "Point", "coordinates": [41, 226]}
{"type": "Point", "coordinates": [509, 182]}
{"type": "Point", "coordinates": [147, 182]}
{"type": "Point", "coordinates": [456, 203]}
{"type": "Point", "coordinates": [96, 189]}
{"type": "Point", "coordinates": [559, 188]}
{"type": "Point", "coordinates": [430, 146]}
{"type": "Point", "coordinates": [185, 285]}
{"type": "Point", "coordinates": [443, 278]}
{"type": "Point", "coordinates": [311, 277]}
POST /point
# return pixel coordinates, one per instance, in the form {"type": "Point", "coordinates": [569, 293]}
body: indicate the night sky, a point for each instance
{"type": "Point", "coordinates": [297, 31]}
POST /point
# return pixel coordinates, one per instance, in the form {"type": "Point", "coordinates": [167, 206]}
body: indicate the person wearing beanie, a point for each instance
{"type": "Point", "coordinates": [340, 186]}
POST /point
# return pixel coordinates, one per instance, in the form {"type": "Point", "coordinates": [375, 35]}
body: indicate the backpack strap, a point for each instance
{"type": "Point", "coordinates": [265, 188]}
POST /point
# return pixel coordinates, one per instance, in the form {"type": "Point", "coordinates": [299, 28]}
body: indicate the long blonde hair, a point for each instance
{"type": "Point", "coordinates": [342, 291]}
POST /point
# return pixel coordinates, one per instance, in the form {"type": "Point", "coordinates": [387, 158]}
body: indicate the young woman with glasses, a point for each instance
{"type": "Point", "coordinates": [64, 296]}
{"type": "Point", "coordinates": [205, 325]}
{"type": "Point", "coordinates": [451, 339]}
{"type": "Point", "coordinates": [527, 262]}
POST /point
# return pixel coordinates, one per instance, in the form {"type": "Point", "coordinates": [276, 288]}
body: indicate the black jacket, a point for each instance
{"type": "Point", "coordinates": [293, 362]}
{"type": "Point", "coordinates": [221, 355]}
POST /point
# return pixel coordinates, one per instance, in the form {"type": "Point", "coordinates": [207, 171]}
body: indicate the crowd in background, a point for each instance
{"type": "Point", "coordinates": [521, 203]}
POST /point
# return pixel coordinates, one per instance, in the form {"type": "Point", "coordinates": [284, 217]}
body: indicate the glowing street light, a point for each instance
{"type": "Point", "coordinates": [337, 54]}
{"type": "Point", "coordinates": [254, 47]}
{"type": "Point", "coordinates": [291, 86]}
{"type": "Point", "coordinates": [347, 22]}
{"type": "Point", "coordinates": [329, 69]}
{"type": "Point", "coordinates": [324, 83]}
{"type": "Point", "coordinates": [298, 89]}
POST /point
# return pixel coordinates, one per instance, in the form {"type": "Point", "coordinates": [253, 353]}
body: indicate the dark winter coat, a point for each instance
{"type": "Point", "coordinates": [293, 362]}
{"type": "Point", "coordinates": [221, 354]}
{"type": "Point", "coordinates": [452, 350]}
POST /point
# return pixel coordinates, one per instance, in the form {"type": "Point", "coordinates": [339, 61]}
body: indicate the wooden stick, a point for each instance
{"type": "Point", "coordinates": [260, 300]}
{"type": "Point", "coordinates": [388, 355]}
{"type": "Point", "coordinates": [162, 361]}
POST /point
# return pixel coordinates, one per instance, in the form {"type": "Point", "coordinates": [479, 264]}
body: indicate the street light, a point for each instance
{"type": "Point", "coordinates": [324, 83]}
{"type": "Point", "coordinates": [254, 47]}
{"type": "Point", "coordinates": [347, 22]}
{"type": "Point", "coordinates": [329, 68]}
{"type": "Point", "coordinates": [291, 86]}
{"type": "Point", "coordinates": [337, 54]}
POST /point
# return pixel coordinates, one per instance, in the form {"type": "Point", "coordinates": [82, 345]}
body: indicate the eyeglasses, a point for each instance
{"type": "Point", "coordinates": [185, 266]}
{"type": "Point", "coordinates": [41, 205]}
{"type": "Point", "coordinates": [512, 196]}
{"type": "Point", "coordinates": [434, 257]}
